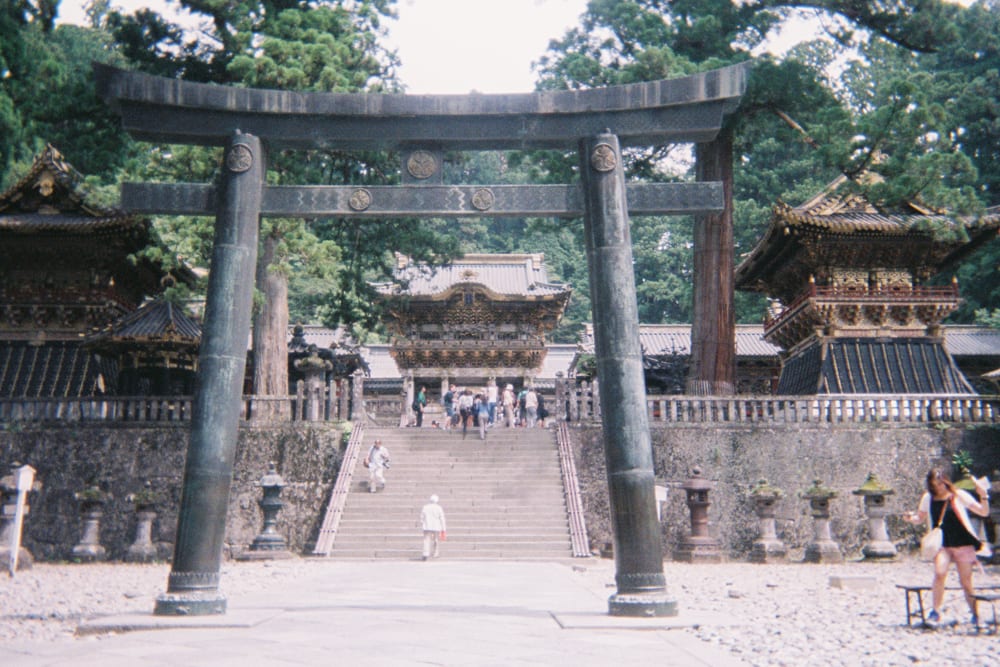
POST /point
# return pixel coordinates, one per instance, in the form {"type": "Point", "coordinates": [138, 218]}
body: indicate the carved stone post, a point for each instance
{"type": "Point", "coordinates": [628, 451]}
{"type": "Point", "coordinates": [193, 585]}
{"type": "Point", "coordinates": [879, 547]}
{"type": "Point", "coordinates": [9, 537]}
{"type": "Point", "coordinates": [699, 546]}
{"type": "Point", "coordinates": [767, 548]}
{"type": "Point", "coordinates": [822, 549]}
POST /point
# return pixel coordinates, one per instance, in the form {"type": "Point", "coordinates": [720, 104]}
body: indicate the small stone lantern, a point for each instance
{"type": "Point", "coordinates": [823, 549]}
{"type": "Point", "coordinates": [142, 549]}
{"type": "Point", "coordinates": [92, 500]}
{"type": "Point", "coordinates": [767, 548]}
{"type": "Point", "coordinates": [269, 545]}
{"type": "Point", "coordinates": [699, 546]}
{"type": "Point", "coordinates": [874, 492]}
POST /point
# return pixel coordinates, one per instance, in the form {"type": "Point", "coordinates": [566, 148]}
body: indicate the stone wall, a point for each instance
{"type": "Point", "coordinates": [121, 458]}
{"type": "Point", "coordinates": [308, 456]}
{"type": "Point", "coordinates": [790, 456]}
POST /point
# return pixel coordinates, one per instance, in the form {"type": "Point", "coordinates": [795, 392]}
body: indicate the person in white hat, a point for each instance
{"type": "Point", "coordinates": [433, 524]}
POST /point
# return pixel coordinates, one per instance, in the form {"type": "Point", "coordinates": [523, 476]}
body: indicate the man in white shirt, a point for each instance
{"type": "Point", "coordinates": [433, 524]}
{"type": "Point", "coordinates": [376, 462]}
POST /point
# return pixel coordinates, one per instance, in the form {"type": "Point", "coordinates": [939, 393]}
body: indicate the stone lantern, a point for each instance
{"type": "Point", "coordinates": [269, 545]}
{"type": "Point", "coordinates": [823, 549]}
{"type": "Point", "coordinates": [142, 549]}
{"type": "Point", "coordinates": [92, 500]}
{"type": "Point", "coordinates": [874, 492]}
{"type": "Point", "coordinates": [699, 546]}
{"type": "Point", "coordinates": [314, 369]}
{"type": "Point", "coordinates": [767, 548]}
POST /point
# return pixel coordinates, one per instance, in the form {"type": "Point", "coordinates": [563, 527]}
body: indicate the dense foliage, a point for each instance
{"type": "Point", "coordinates": [876, 91]}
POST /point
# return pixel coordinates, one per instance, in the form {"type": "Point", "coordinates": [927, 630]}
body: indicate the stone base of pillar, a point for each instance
{"type": "Point", "coordinates": [698, 550]}
{"type": "Point", "coordinates": [823, 552]}
{"type": "Point", "coordinates": [24, 558]}
{"type": "Point", "coordinates": [879, 551]}
{"type": "Point", "coordinates": [768, 551]}
{"type": "Point", "coordinates": [190, 603]}
{"type": "Point", "coordinates": [645, 605]}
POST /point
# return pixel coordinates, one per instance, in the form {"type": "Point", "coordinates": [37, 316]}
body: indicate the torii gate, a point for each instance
{"type": "Point", "coordinates": [597, 123]}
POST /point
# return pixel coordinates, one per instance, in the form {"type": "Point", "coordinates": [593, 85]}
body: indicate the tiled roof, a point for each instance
{"type": "Point", "coordinates": [872, 366]}
{"type": "Point", "coordinates": [49, 370]}
{"type": "Point", "coordinates": [53, 186]}
{"type": "Point", "coordinates": [659, 339]}
{"type": "Point", "coordinates": [511, 275]}
{"type": "Point", "coordinates": [972, 341]}
{"type": "Point", "coordinates": [154, 320]}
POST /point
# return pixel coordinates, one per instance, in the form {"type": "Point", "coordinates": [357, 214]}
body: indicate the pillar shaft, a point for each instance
{"type": "Point", "coordinates": [193, 586]}
{"type": "Point", "coordinates": [627, 446]}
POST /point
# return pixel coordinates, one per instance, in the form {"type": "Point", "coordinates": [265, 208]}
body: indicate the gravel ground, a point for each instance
{"type": "Point", "coordinates": [783, 614]}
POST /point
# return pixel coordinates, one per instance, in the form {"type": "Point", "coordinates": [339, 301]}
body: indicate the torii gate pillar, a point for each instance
{"type": "Point", "coordinates": [193, 585]}
{"type": "Point", "coordinates": [628, 450]}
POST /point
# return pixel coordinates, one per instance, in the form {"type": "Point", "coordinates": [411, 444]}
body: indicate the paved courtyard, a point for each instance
{"type": "Point", "coordinates": [320, 612]}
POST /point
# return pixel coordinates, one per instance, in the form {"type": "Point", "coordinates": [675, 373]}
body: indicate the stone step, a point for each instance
{"type": "Point", "coordinates": [503, 497]}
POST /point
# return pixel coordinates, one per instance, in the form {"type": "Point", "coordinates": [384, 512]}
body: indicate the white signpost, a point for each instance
{"type": "Point", "coordinates": [24, 477]}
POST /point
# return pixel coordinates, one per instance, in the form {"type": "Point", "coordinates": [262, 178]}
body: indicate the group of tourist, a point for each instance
{"type": "Point", "coordinates": [487, 407]}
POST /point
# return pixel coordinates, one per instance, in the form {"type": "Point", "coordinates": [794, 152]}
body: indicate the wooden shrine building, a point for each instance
{"type": "Point", "coordinates": [68, 269]}
{"type": "Point", "coordinates": [852, 310]}
{"type": "Point", "coordinates": [479, 317]}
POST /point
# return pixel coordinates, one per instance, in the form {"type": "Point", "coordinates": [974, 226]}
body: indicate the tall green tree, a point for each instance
{"type": "Point", "coordinates": [798, 126]}
{"type": "Point", "coordinates": [330, 46]}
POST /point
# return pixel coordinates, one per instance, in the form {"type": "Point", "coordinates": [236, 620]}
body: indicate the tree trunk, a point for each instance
{"type": "Point", "coordinates": [270, 330]}
{"type": "Point", "coordinates": [713, 329]}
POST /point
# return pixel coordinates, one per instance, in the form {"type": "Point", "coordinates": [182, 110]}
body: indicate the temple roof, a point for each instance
{"type": "Point", "coordinates": [847, 231]}
{"type": "Point", "coordinates": [504, 277]}
{"type": "Point", "coordinates": [660, 339]}
{"type": "Point", "coordinates": [58, 369]}
{"type": "Point", "coordinates": [157, 321]}
{"type": "Point", "coordinates": [872, 366]}
{"type": "Point", "coordinates": [50, 197]}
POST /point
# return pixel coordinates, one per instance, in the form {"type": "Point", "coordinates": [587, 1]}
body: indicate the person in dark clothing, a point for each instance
{"type": "Point", "coordinates": [946, 506]}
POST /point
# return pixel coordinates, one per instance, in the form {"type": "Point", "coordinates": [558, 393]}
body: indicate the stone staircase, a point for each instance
{"type": "Point", "coordinates": [503, 497]}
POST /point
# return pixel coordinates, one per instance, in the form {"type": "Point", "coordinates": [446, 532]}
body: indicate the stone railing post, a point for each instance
{"type": "Point", "coordinates": [879, 546]}
{"type": "Point", "coordinates": [822, 549]}
{"type": "Point", "coordinates": [357, 411]}
{"type": "Point", "coordinates": [767, 548]}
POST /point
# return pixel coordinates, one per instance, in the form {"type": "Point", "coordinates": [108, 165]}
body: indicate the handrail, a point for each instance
{"type": "Point", "coordinates": [338, 497]}
{"type": "Point", "coordinates": [574, 501]}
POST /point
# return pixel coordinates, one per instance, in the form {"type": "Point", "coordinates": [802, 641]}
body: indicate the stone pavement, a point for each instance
{"type": "Point", "coordinates": [397, 613]}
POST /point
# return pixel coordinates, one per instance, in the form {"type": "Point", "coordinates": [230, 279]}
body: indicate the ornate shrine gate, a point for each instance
{"type": "Point", "coordinates": [421, 127]}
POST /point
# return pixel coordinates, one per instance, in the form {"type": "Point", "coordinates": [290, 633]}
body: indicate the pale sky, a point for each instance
{"type": "Point", "coordinates": [452, 46]}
